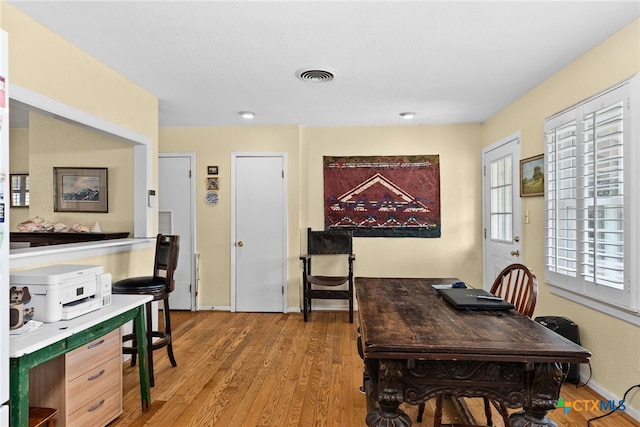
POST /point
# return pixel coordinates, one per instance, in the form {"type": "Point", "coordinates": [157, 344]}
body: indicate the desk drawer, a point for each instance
{"type": "Point", "coordinates": [92, 383]}
{"type": "Point", "coordinates": [93, 354]}
{"type": "Point", "coordinates": [99, 411]}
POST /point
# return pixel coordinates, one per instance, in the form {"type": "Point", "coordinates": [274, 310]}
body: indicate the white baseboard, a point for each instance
{"type": "Point", "coordinates": [606, 394]}
{"type": "Point", "coordinates": [217, 308]}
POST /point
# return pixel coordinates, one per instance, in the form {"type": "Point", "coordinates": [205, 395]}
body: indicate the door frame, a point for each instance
{"type": "Point", "coordinates": [517, 201]}
{"type": "Point", "coordinates": [193, 259]}
{"type": "Point", "coordinates": [234, 156]}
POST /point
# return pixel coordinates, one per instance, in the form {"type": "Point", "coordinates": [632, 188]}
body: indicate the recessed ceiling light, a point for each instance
{"type": "Point", "coordinates": [408, 115]}
{"type": "Point", "coordinates": [247, 114]}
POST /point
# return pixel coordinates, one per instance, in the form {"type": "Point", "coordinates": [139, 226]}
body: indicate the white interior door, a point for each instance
{"type": "Point", "coordinates": [259, 232]}
{"type": "Point", "coordinates": [501, 207]}
{"type": "Point", "coordinates": [176, 216]}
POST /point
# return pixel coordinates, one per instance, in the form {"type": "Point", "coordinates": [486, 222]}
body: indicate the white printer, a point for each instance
{"type": "Point", "coordinates": [64, 291]}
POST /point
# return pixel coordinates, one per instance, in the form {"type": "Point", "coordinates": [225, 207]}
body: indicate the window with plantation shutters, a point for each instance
{"type": "Point", "coordinates": [591, 201]}
{"type": "Point", "coordinates": [602, 190]}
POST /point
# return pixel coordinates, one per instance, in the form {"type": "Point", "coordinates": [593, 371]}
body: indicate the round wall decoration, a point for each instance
{"type": "Point", "coordinates": [212, 197]}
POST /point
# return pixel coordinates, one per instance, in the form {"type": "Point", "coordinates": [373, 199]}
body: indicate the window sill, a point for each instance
{"type": "Point", "coordinates": [627, 315]}
{"type": "Point", "coordinates": [27, 257]}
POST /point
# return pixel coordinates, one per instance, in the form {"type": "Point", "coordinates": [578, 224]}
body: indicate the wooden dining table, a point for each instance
{"type": "Point", "coordinates": [416, 346]}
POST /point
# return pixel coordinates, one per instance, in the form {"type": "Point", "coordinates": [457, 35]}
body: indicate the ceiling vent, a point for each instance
{"type": "Point", "coordinates": [315, 75]}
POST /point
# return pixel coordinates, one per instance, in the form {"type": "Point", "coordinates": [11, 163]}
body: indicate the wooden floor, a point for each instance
{"type": "Point", "coordinates": [262, 369]}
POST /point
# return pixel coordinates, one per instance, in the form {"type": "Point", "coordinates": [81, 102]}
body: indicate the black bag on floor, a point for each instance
{"type": "Point", "coordinates": [568, 329]}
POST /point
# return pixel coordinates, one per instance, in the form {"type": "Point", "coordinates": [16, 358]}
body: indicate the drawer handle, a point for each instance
{"type": "Point", "coordinates": [94, 345]}
{"type": "Point", "coordinates": [93, 408]}
{"type": "Point", "coordinates": [98, 375]}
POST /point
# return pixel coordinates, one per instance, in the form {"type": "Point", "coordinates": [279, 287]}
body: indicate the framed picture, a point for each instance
{"type": "Point", "coordinates": [212, 170]}
{"type": "Point", "coordinates": [80, 190]}
{"type": "Point", "coordinates": [212, 184]}
{"type": "Point", "coordinates": [532, 176]}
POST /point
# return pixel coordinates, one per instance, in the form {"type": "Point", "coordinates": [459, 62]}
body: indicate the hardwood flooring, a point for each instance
{"type": "Point", "coordinates": [264, 369]}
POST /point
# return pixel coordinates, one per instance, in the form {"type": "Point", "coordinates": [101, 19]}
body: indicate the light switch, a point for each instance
{"type": "Point", "coordinates": [526, 216]}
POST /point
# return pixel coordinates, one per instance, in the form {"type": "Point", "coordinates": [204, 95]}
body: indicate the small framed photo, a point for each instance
{"type": "Point", "coordinates": [212, 184]}
{"type": "Point", "coordinates": [80, 190]}
{"type": "Point", "coordinates": [532, 176]}
{"type": "Point", "coordinates": [212, 170]}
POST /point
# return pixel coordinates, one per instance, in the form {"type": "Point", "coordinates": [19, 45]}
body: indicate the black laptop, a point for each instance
{"type": "Point", "coordinates": [474, 299]}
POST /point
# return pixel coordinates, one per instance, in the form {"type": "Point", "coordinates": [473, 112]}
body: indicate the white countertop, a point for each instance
{"type": "Point", "coordinates": [49, 333]}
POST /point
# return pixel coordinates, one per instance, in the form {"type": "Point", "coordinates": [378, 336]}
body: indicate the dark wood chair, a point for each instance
{"type": "Point", "coordinates": [518, 285]}
{"type": "Point", "coordinates": [159, 286]}
{"type": "Point", "coordinates": [320, 243]}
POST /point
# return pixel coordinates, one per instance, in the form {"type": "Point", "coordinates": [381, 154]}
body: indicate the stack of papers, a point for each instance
{"type": "Point", "coordinates": [29, 326]}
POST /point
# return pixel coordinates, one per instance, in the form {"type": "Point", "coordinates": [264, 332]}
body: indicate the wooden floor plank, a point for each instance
{"type": "Point", "coordinates": [273, 369]}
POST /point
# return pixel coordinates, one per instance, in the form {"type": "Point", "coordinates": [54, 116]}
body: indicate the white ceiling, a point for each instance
{"type": "Point", "coordinates": [449, 61]}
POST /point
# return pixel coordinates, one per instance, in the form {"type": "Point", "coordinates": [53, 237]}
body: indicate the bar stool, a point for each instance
{"type": "Point", "coordinates": [160, 285]}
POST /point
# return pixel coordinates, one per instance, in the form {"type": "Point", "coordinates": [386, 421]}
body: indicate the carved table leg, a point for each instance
{"type": "Point", "coordinates": [386, 389]}
{"type": "Point", "coordinates": [544, 380]}
{"type": "Point", "coordinates": [388, 415]}
{"type": "Point", "coordinates": [531, 417]}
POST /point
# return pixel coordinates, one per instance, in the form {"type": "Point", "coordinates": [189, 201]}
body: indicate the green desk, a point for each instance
{"type": "Point", "coordinates": [55, 339]}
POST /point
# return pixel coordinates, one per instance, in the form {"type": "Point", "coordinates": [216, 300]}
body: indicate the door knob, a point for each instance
{"type": "Point", "coordinates": [515, 253]}
{"type": "Point", "coordinates": [240, 244]}
{"type": "Point", "coordinates": [516, 239]}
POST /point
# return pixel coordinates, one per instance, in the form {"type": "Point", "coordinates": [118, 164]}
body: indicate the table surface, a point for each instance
{"type": "Point", "coordinates": [405, 318]}
{"type": "Point", "coordinates": [50, 333]}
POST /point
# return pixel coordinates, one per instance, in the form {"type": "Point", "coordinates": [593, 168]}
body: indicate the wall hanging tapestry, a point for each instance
{"type": "Point", "coordinates": [383, 196]}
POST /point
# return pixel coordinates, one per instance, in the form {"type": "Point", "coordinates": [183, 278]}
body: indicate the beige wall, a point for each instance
{"type": "Point", "coordinates": [615, 344]}
{"type": "Point", "coordinates": [44, 63]}
{"type": "Point", "coordinates": [459, 251]}
{"type": "Point", "coordinates": [214, 147]}
{"type": "Point", "coordinates": [18, 163]}
{"type": "Point", "coordinates": [54, 143]}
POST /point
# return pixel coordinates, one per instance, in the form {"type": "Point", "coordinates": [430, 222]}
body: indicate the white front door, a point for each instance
{"type": "Point", "coordinates": [501, 207]}
{"type": "Point", "coordinates": [259, 232]}
{"type": "Point", "coordinates": [176, 216]}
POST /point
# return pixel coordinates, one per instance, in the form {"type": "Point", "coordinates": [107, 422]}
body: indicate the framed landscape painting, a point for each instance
{"type": "Point", "coordinates": [80, 190]}
{"type": "Point", "coordinates": [532, 176]}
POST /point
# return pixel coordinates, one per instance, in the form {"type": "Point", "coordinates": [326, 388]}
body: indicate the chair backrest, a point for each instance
{"type": "Point", "coordinates": [329, 242]}
{"type": "Point", "coordinates": [166, 259]}
{"type": "Point", "coordinates": [518, 285]}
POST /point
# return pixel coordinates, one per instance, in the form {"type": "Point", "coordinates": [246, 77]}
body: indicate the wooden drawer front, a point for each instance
{"type": "Point", "coordinates": [92, 383]}
{"type": "Point", "coordinates": [93, 354]}
{"type": "Point", "coordinates": [99, 411]}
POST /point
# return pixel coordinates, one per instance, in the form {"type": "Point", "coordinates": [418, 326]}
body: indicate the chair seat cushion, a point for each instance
{"type": "Point", "coordinates": [139, 285]}
{"type": "Point", "coordinates": [328, 280]}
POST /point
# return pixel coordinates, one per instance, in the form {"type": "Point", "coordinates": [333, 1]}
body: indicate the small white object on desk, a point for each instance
{"type": "Point", "coordinates": [488, 297]}
{"type": "Point", "coordinates": [442, 286]}
{"type": "Point", "coordinates": [27, 327]}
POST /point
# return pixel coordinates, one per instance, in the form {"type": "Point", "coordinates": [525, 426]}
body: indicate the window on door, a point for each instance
{"type": "Point", "coordinates": [591, 202]}
{"type": "Point", "coordinates": [501, 199]}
